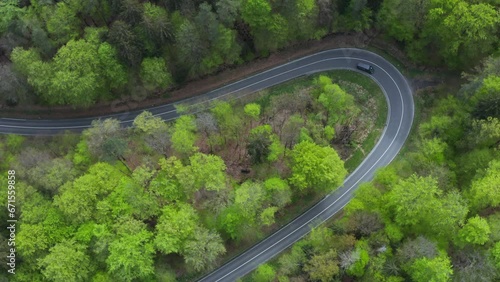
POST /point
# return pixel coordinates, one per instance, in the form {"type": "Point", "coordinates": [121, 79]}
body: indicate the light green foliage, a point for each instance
{"type": "Point", "coordinates": [276, 149]}
{"type": "Point", "coordinates": [231, 221]}
{"type": "Point", "coordinates": [485, 191]}
{"type": "Point", "coordinates": [175, 226]}
{"type": "Point", "coordinates": [319, 239]}
{"type": "Point", "coordinates": [82, 156]}
{"type": "Point", "coordinates": [433, 150]}
{"type": "Point", "coordinates": [148, 123]}
{"type": "Point", "coordinates": [316, 167]}
{"type": "Point", "coordinates": [77, 200]}
{"type": "Point", "coordinates": [249, 197]}
{"type": "Point", "coordinates": [165, 186]}
{"type": "Point", "coordinates": [278, 191]}
{"type": "Point", "coordinates": [451, 215]}
{"type": "Point", "coordinates": [495, 254]}
{"type": "Point", "coordinates": [256, 13]}
{"type": "Point", "coordinates": [475, 231]}
{"type": "Point", "coordinates": [367, 198]}
{"type": "Point", "coordinates": [81, 72]}
{"type": "Point", "coordinates": [303, 21]}
{"type": "Point", "coordinates": [31, 239]}
{"type": "Point", "coordinates": [403, 19]}
{"type": "Point", "coordinates": [329, 132]}
{"type": "Point", "coordinates": [202, 251]}
{"type": "Point", "coordinates": [323, 267]}
{"type": "Point", "coordinates": [357, 269]}
{"type": "Point", "coordinates": [414, 200]}
{"type": "Point", "coordinates": [155, 74]}
{"type": "Point", "coordinates": [204, 172]}
{"type": "Point", "coordinates": [129, 198]}
{"type": "Point", "coordinates": [14, 142]}
{"type": "Point", "coordinates": [229, 123]}
{"type": "Point", "coordinates": [184, 136]}
{"type": "Point", "coordinates": [66, 261]}
{"type": "Point", "coordinates": [438, 269]}
{"type": "Point", "coordinates": [29, 63]}
{"type": "Point", "coordinates": [339, 105]}
{"type": "Point", "coordinates": [131, 253]}
{"type": "Point", "coordinates": [252, 110]}
{"type": "Point", "coordinates": [267, 215]}
{"type": "Point", "coordinates": [270, 31]}
{"type": "Point", "coordinates": [264, 273]}
{"type": "Point", "coordinates": [462, 27]}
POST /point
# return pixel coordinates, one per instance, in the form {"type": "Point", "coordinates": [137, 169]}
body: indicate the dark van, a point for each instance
{"type": "Point", "coordinates": [364, 67]}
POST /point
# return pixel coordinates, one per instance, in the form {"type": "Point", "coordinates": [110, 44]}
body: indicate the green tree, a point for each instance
{"type": "Point", "coordinates": [204, 172]}
{"type": "Point", "coordinates": [77, 200]}
{"type": "Point", "coordinates": [228, 122]}
{"type": "Point", "coordinates": [252, 110]}
{"type": "Point", "coordinates": [495, 254]}
{"type": "Point", "coordinates": [462, 28]}
{"type": "Point", "coordinates": [147, 123]}
{"type": "Point", "coordinates": [316, 167]}
{"type": "Point", "coordinates": [323, 267]}
{"type": "Point", "coordinates": [475, 231]}
{"type": "Point", "coordinates": [264, 273]}
{"type": "Point", "coordinates": [339, 105]}
{"type": "Point", "coordinates": [175, 227]}
{"type": "Point", "coordinates": [202, 251]}
{"type": "Point", "coordinates": [267, 215]}
{"type": "Point", "coordinates": [66, 261]}
{"type": "Point", "coordinates": [414, 200]}
{"type": "Point", "coordinates": [100, 132]}
{"type": "Point", "coordinates": [248, 198]}
{"type": "Point", "coordinates": [403, 20]}
{"type": "Point", "coordinates": [484, 191]}
{"type": "Point", "coordinates": [155, 74]}
{"type": "Point", "coordinates": [184, 136]}
{"type": "Point", "coordinates": [485, 99]}
{"type": "Point", "coordinates": [438, 269]}
{"type": "Point", "coordinates": [63, 23]}
{"type": "Point", "coordinates": [131, 253]}
{"type": "Point", "coordinates": [9, 11]}
{"type": "Point", "coordinates": [278, 192]}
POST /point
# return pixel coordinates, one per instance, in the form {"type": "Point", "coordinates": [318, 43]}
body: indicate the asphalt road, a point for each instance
{"type": "Point", "coordinates": [399, 121]}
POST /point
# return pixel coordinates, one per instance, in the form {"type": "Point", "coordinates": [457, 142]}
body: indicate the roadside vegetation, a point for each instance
{"type": "Point", "coordinates": [79, 52]}
{"type": "Point", "coordinates": [181, 196]}
{"type": "Point", "coordinates": [431, 215]}
{"type": "Point", "coordinates": [169, 201]}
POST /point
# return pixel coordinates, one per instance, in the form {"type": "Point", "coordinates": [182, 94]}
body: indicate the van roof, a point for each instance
{"type": "Point", "coordinates": [364, 65]}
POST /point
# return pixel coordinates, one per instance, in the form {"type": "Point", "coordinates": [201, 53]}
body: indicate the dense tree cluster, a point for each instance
{"type": "Point", "coordinates": [433, 215]}
{"type": "Point", "coordinates": [79, 52]}
{"type": "Point", "coordinates": [132, 204]}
